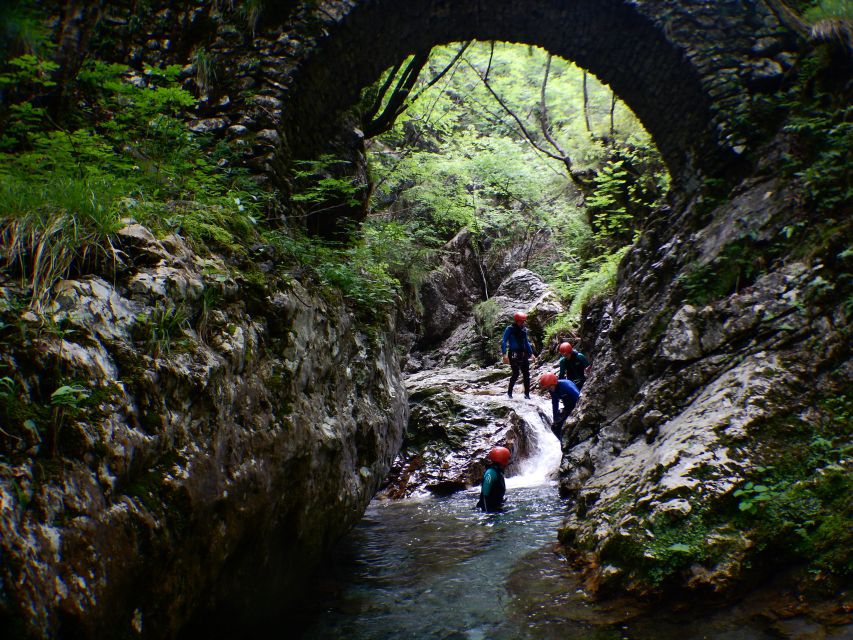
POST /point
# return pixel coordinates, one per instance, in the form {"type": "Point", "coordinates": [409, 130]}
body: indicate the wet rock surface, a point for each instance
{"type": "Point", "coordinates": [476, 341]}
{"type": "Point", "coordinates": [456, 416]}
{"type": "Point", "coordinates": [691, 395]}
{"type": "Point", "coordinates": [203, 456]}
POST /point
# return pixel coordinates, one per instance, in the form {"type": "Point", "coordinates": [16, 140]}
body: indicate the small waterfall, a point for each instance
{"type": "Point", "coordinates": [542, 465]}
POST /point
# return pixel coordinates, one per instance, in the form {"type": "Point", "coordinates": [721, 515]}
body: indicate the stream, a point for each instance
{"type": "Point", "coordinates": [437, 568]}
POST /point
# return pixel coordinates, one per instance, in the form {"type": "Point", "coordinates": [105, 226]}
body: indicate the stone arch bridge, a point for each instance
{"type": "Point", "coordinates": [687, 68]}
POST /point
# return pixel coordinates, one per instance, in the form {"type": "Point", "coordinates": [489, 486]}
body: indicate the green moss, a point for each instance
{"type": "Point", "coordinates": [676, 546]}
{"type": "Point", "coordinates": [434, 420]}
{"type": "Point", "coordinates": [279, 383]}
{"type": "Point", "coordinates": [738, 265]}
{"type": "Point", "coordinates": [660, 324]}
{"type": "Point", "coordinates": [798, 500]}
{"type": "Point", "coordinates": [655, 551]}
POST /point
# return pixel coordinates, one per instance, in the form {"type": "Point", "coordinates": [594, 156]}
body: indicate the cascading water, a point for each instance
{"type": "Point", "coordinates": [437, 568]}
{"type": "Point", "coordinates": [542, 465]}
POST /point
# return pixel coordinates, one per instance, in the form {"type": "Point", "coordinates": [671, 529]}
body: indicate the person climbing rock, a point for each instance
{"type": "Point", "coordinates": [517, 351]}
{"type": "Point", "coordinates": [493, 488]}
{"type": "Point", "coordinates": [573, 365]}
{"type": "Point", "coordinates": [563, 391]}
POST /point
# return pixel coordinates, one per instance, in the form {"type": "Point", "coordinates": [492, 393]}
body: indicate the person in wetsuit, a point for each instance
{"type": "Point", "coordinates": [517, 351]}
{"type": "Point", "coordinates": [573, 365]}
{"type": "Point", "coordinates": [493, 488]}
{"type": "Point", "coordinates": [562, 391]}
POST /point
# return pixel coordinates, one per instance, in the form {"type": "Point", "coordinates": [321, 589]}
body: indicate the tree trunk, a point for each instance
{"type": "Point", "coordinates": [612, 112]}
{"type": "Point", "coordinates": [586, 106]}
{"type": "Point", "coordinates": [78, 21]}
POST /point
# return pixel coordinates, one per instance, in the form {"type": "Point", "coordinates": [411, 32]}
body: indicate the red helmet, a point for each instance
{"type": "Point", "coordinates": [566, 348]}
{"type": "Point", "coordinates": [501, 455]}
{"type": "Point", "coordinates": [548, 380]}
{"type": "Point", "coordinates": [520, 316]}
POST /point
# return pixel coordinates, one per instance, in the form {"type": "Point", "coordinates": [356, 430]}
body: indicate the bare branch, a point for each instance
{"type": "Point", "coordinates": [612, 111]}
{"type": "Point", "coordinates": [419, 134]}
{"type": "Point", "coordinates": [512, 114]}
{"type": "Point", "coordinates": [441, 73]}
{"type": "Point", "coordinates": [788, 17]}
{"type": "Point", "coordinates": [397, 102]}
{"type": "Point", "coordinates": [543, 118]}
{"type": "Point", "coordinates": [491, 55]}
{"type": "Point", "coordinates": [562, 157]}
{"type": "Point", "coordinates": [380, 96]}
{"type": "Point", "coordinates": [586, 106]}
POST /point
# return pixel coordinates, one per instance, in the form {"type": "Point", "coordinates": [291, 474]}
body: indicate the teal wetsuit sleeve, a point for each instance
{"type": "Point", "coordinates": [488, 481]}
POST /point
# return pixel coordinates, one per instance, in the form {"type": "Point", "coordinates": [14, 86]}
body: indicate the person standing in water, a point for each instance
{"type": "Point", "coordinates": [493, 487]}
{"type": "Point", "coordinates": [517, 351]}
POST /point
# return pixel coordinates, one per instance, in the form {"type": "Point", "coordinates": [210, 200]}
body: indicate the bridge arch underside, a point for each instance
{"type": "Point", "coordinates": [610, 38]}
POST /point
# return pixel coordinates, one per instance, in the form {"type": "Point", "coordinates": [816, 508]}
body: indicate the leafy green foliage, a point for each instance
{"type": "Point", "coordinates": [489, 322]}
{"type": "Point", "coordinates": [735, 267]}
{"type": "Point", "coordinates": [751, 494]}
{"type": "Point", "coordinates": [820, 121]}
{"type": "Point", "coordinates": [124, 152]}
{"type": "Point", "coordinates": [352, 271]}
{"type": "Point", "coordinates": [69, 396]}
{"type": "Point", "coordinates": [22, 30]}
{"type": "Point", "coordinates": [825, 9]}
{"type": "Point", "coordinates": [627, 188]}
{"type": "Point", "coordinates": [407, 251]}
{"type": "Point", "coordinates": [162, 330]}
{"type": "Point", "coordinates": [582, 286]}
{"type": "Point", "coordinates": [317, 186]}
{"type": "Point", "coordinates": [456, 160]}
{"type": "Point", "coordinates": [677, 545]}
{"type": "Point", "coordinates": [799, 500]}
{"type": "Point", "coordinates": [55, 224]}
{"type": "Point", "coordinates": [823, 157]}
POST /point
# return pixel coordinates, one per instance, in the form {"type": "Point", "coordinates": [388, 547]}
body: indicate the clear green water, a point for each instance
{"type": "Point", "coordinates": [439, 569]}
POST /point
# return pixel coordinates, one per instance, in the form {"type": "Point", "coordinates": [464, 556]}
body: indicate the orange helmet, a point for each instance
{"type": "Point", "coordinates": [520, 316]}
{"type": "Point", "coordinates": [548, 380]}
{"type": "Point", "coordinates": [500, 455]}
{"type": "Point", "coordinates": [566, 348]}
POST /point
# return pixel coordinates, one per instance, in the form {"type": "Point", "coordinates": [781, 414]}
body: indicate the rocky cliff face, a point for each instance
{"type": "Point", "coordinates": [722, 357]}
{"type": "Point", "coordinates": [206, 438]}
{"type": "Point", "coordinates": [475, 338]}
